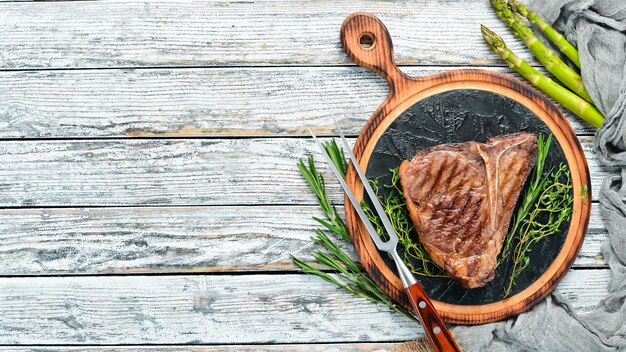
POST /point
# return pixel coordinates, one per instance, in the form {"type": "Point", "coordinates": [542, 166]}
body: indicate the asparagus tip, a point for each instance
{"type": "Point", "coordinates": [518, 7]}
{"type": "Point", "coordinates": [492, 39]}
{"type": "Point", "coordinates": [499, 5]}
{"type": "Point", "coordinates": [505, 11]}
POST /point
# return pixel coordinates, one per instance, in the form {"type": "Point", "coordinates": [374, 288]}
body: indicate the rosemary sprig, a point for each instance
{"type": "Point", "coordinates": [350, 276]}
{"type": "Point", "coordinates": [334, 222]}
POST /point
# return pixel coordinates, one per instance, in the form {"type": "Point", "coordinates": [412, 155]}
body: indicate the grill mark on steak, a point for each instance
{"type": "Point", "coordinates": [510, 185]}
{"type": "Point", "coordinates": [461, 198]}
{"type": "Point", "coordinates": [437, 178]}
{"type": "Point", "coordinates": [455, 186]}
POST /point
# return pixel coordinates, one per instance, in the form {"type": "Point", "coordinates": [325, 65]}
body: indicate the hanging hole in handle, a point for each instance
{"type": "Point", "coordinates": [367, 41]}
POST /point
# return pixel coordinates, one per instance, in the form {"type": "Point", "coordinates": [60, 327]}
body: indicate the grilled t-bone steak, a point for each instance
{"type": "Point", "coordinates": [461, 198]}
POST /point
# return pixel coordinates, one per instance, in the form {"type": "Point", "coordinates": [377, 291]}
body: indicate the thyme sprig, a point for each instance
{"type": "Point", "coordinates": [552, 208]}
{"type": "Point", "coordinates": [350, 276]}
{"type": "Point", "coordinates": [546, 204]}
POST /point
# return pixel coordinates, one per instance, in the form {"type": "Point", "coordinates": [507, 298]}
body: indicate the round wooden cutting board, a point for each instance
{"type": "Point", "coordinates": [459, 106]}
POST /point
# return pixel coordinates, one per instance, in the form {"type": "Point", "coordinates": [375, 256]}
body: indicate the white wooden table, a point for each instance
{"type": "Point", "coordinates": [148, 189]}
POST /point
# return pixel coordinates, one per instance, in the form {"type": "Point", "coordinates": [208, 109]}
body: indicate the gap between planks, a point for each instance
{"type": "Point", "coordinates": [343, 347]}
{"type": "Point", "coordinates": [303, 347]}
{"type": "Point", "coordinates": [494, 66]}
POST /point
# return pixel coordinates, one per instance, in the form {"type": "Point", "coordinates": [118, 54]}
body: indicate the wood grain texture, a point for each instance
{"type": "Point", "coordinates": [195, 102]}
{"type": "Point", "coordinates": [132, 240]}
{"type": "Point", "coordinates": [265, 32]}
{"type": "Point", "coordinates": [213, 309]}
{"type": "Point", "coordinates": [169, 172]}
{"type": "Point", "coordinates": [163, 172]}
{"type": "Point", "coordinates": [100, 240]}
{"type": "Point", "coordinates": [79, 241]}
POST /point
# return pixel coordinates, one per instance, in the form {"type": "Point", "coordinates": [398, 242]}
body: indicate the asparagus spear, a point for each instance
{"type": "Point", "coordinates": [565, 97]}
{"type": "Point", "coordinates": [545, 55]}
{"type": "Point", "coordinates": [555, 37]}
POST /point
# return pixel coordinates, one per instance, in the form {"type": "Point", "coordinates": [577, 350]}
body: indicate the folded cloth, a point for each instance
{"type": "Point", "coordinates": [598, 28]}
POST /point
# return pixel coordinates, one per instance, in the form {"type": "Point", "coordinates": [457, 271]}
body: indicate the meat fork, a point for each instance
{"type": "Point", "coordinates": [434, 327]}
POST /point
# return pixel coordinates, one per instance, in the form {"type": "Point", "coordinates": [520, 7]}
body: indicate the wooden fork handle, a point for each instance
{"type": "Point", "coordinates": [434, 327]}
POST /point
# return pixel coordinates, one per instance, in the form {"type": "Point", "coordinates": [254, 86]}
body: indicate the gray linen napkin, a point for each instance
{"type": "Point", "coordinates": [598, 28]}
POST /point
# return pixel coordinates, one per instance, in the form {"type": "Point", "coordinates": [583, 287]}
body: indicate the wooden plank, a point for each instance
{"type": "Point", "coordinates": [264, 32]}
{"type": "Point", "coordinates": [312, 347]}
{"type": "Point", "coordinates": [169, 172]}
{"type": "Point", "coordinates": [195, 102]}
{"type": "Point", "coordinates": [590, 254]}
{"type": "Point", "coordinates": [180, 239]}
{"type": "Point", "coordinates": [213, 309]}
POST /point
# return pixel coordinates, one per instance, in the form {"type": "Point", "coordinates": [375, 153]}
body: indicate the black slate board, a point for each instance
{"type": "Point", "coordinates": [460, 116]}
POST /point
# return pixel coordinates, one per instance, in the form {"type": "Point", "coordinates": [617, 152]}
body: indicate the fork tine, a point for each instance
{"type": "Point", "coordinates": [366, 185]}
{"type": "Point", "coordinates": [383, 246]}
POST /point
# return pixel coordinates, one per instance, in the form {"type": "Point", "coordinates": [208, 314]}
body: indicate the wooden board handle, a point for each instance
{"type": "Point", "coordinates": [367, 42]}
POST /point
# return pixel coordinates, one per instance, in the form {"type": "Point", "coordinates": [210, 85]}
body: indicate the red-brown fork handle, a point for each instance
{"type": "Point", "coordinates": [435, 329]}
